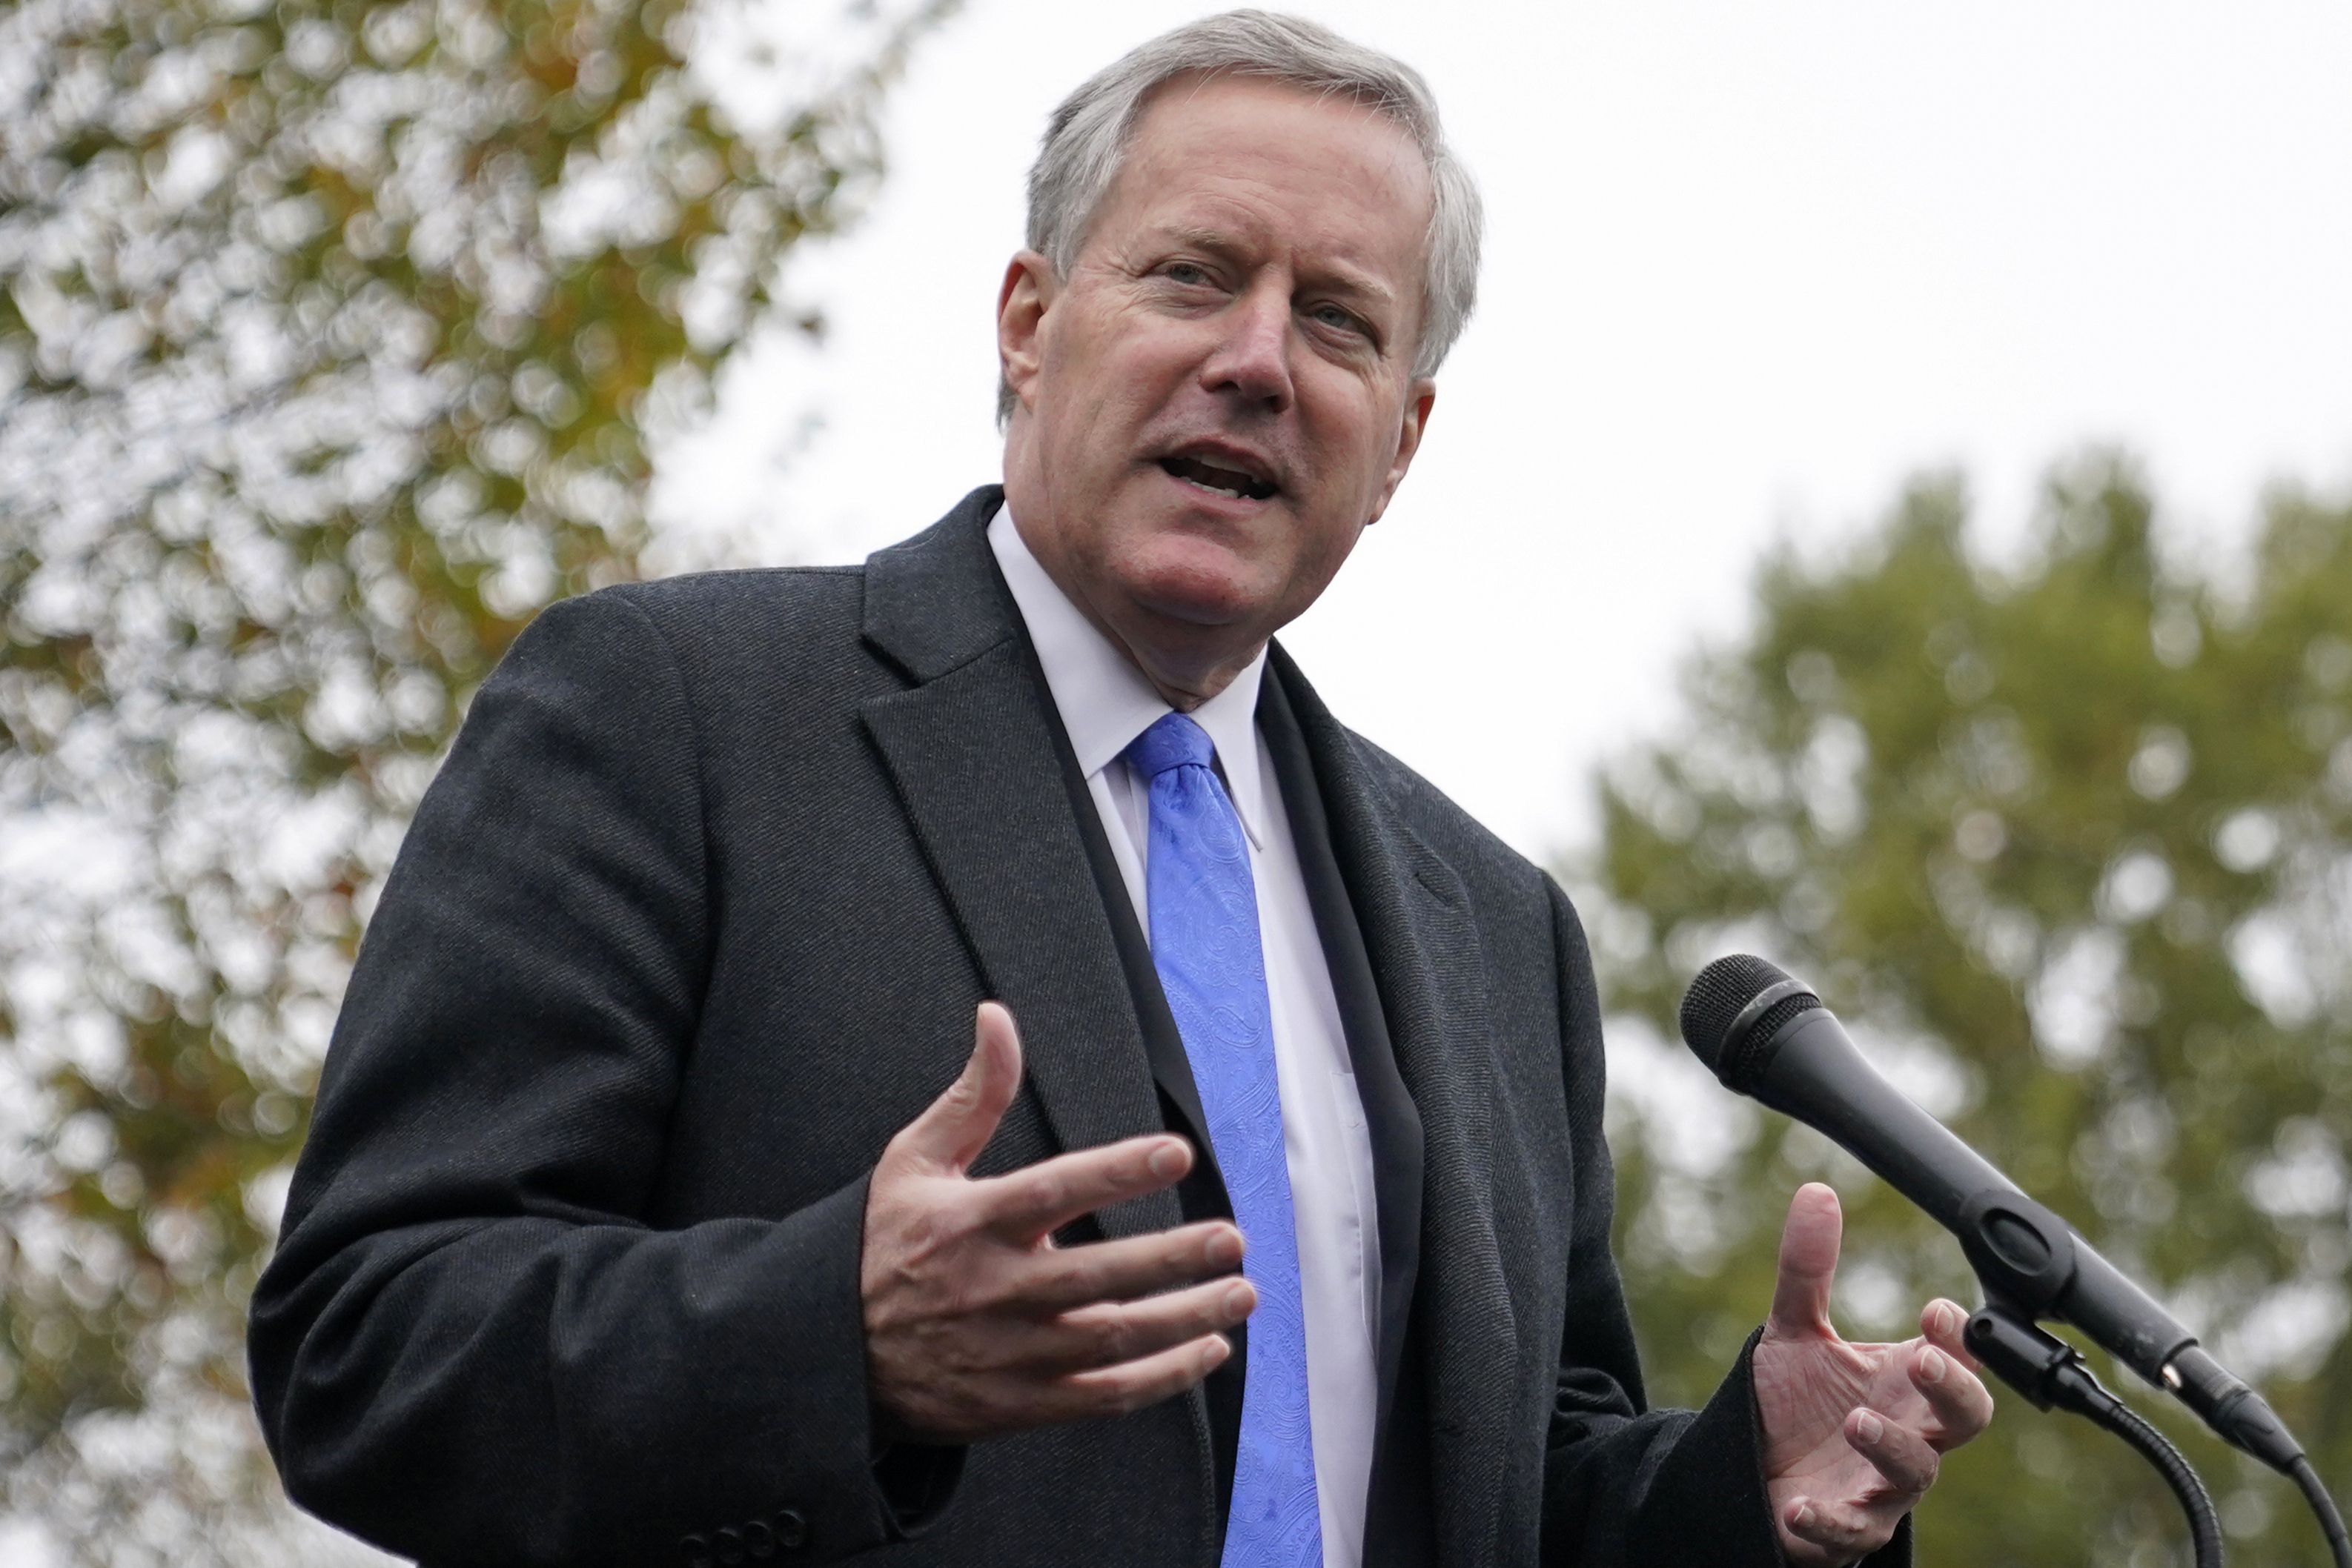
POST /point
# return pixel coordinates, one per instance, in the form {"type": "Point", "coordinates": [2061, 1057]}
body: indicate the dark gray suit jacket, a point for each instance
{"type": "Point", "coordinates": [695, 918]}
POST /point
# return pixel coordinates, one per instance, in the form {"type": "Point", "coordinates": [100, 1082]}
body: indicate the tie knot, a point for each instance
{"type": "Point", "coordinates": [1172, 741]}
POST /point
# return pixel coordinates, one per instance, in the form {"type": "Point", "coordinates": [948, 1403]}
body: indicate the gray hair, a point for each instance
{"type": "Point", "coordinates": [1086, 142]}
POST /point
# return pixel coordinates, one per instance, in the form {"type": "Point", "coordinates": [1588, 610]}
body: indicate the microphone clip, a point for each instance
{"type": "Point", "coordinates": [2022, 1252]}
{"type": "Point", "coordinates": [2035, 1362]}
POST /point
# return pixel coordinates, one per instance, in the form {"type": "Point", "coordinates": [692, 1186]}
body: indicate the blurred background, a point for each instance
{"type": "Point", "coordinates": [1893, 512]}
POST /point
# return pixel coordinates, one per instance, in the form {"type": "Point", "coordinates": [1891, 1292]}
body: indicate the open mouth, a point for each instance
{"type": "Point", "coordinates": [1230, 481]}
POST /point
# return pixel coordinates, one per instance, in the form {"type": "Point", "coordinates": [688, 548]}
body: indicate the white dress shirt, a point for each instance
{"type": "Point", "coordinates": [1105, 703]}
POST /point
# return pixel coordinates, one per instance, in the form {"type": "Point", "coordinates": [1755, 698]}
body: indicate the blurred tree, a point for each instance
{"type": "Point", "coordinates": [2070, 846]}
{"type": "Point", "coordinates": [331, 335]}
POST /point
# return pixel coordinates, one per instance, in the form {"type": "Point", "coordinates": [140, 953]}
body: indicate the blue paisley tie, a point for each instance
{"type": "Point", "coordinates": [1204, 943]}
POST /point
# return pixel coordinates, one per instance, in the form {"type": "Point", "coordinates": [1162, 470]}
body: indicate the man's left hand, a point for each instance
{"type": "Point", "coordinates": [1852, 1433]}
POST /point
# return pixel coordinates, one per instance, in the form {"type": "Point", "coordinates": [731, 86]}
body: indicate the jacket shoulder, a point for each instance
{"type": "Point", "coordinates": [1464, 842]}
{"type": "Point", "coordinates": [787, 620]}
{"type": "Point", "coordinates": [699, 597]}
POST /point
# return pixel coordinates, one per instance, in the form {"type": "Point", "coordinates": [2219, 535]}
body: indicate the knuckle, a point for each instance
{"type": "Point", "coordinates": [1111, 1332]}
{"type": "Point", "coordinates": [1080, 1278]}
{"type": "Point", "coordinates": [1133, 1395]}
{"type": "Point", "coordinates": [933, 1229]}
{"type": "Point", "coordinates": [1046, 1191]}
{"type": "Point", "coordinates": [953, 1297]}
{"type": "Point", "coordinates": [1842, 1531]}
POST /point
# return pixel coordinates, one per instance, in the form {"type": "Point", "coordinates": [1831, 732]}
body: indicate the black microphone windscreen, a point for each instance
{"type": "Point", "coordinates": [1719, 993]}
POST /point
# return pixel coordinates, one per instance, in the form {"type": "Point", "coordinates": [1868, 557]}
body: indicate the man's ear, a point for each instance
{"type": "Point", "coordinates": [1022, 302]}
{"type": "Point", "coordinates": [1420, 397]}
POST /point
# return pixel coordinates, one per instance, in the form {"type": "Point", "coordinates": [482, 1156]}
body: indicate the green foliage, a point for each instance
{"type": "Point", "coordinates": [2071, 847]}
{"type": "Point", "coordinates": [330, 333]}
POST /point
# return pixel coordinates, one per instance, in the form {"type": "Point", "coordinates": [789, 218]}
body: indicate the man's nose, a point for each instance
{"type": "Point", "coordinates": [1252, 361]}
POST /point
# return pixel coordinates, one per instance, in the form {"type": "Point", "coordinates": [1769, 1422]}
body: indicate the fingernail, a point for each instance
{"type": "Point", "coordinates": [1166, 1162]}
{"type": "Point", "coordinates": [1801, 1516]}
{"type": "Point", "coordinates": [1226, 1248]}
{"type": "Point", "coordinates": [1869, 1428]}
{"type": "Point", "coordinates": [1931, 1366]}
{"type": "Point", "coordinates": [1240, 1300]}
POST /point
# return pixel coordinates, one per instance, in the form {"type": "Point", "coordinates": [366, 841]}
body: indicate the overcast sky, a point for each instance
{"type": "Point", "coordinates": [1748, 266]}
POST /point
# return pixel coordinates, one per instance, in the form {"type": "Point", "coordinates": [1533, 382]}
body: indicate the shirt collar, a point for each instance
{"type": "Point", "coordinates": [1105, 701]}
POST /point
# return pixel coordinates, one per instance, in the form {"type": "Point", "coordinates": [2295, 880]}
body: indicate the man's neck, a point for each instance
{"type": "Point", "coordinates": [1183, 689]}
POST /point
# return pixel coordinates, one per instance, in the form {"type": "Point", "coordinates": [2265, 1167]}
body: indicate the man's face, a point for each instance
{"type": "Point", "coordinates": [1218, 399]}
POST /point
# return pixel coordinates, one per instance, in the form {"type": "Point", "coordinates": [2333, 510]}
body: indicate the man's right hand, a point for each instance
{"type": "Point", "coordinates": [978, 1325]}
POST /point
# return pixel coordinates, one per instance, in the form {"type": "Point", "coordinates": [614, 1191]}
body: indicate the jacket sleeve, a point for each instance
{"type": "Point", "coordinates": [471, 1346]}
{"type": "Point", "coordinates": [1624, 1485]}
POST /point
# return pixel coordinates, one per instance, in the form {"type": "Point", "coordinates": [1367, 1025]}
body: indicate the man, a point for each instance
{"type": "Point", "coordinates": [657, 1207]}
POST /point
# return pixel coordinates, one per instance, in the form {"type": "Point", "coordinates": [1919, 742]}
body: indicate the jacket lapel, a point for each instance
{"type": "Point", "coordinates": [971, 750]}
{"type": "Point", "coordinates": [1388, 1114]}
{"type": "Point", "coordinates": [1422, 945]}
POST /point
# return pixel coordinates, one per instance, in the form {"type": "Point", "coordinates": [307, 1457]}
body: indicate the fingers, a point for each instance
{"type": "Point", "coordinates": [1809, 1255]}
{"type": "Point", "coordinates": [1900, 1443]}
{"type": "Point", "coordinates": [1957, 1397]}
{"type": "Point", "coordinates": [1945, 1323]}
{"type": "Point", "coordinates": [1100, 1334]}
{"type": "Point", "coordinates": [1905, 1457]}
{"type": "Point", "coordinates": [1842, 1533]}
{"type": "Point", "coordinates": [1843, 1529]}
{"type": "Point", "coordinates": [1127, 1387]}
{"type": "Point", "coordinates": [1907, 1460]}
{"type": "Point", "coordinates": [956, 1126]}
{"type": "Point", "coordinates": [994, 1403]}
{"type": "Point", "coordinates": [977, 1326]}
{"type": "Point", "coordinates": [1036, 1199]}
{"type": "Point", "coordinates": [1134, 1266]}
{"type": "Point", "coordinates": [1107, 1333]}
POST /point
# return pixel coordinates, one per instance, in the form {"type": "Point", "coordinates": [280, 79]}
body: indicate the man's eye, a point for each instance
{"type": "Point", "coordinates": [1185, 272]}
{"type": "Point", "coordinates": [1334, 317]}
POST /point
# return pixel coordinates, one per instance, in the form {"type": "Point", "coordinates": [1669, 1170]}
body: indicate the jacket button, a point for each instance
{"type": "Point", "coordinates": [728, 1543]}
{"type": "Point", "coordinates": [696, 1551]}
{"type": "Point", "coordinates": [791, 1530]}
{"type": "Point", "coordinates": [760, 1539]}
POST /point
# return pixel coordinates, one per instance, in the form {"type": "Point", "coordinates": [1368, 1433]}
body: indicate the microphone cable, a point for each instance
{"type": "Point", "coordinates": [2330, 1520]}
{"type": "Point", "coordinates": [2204, 1527]}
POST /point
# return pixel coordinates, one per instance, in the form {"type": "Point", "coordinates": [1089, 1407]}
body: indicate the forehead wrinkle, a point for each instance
{"type": "Point", "coordinates": [1401, 157]}
{"type": "Point", "coordinates": [1227, 216]}
{"type": "Point", "coordinates": [1191, 85]}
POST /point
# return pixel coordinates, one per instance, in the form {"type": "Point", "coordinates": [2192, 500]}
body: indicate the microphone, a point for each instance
{"type": "Point", "coordinates": [1765, 1035]}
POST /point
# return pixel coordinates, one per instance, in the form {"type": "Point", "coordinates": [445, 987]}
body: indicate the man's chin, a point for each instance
{"type": "Point", "coordinates": [1209, 596]}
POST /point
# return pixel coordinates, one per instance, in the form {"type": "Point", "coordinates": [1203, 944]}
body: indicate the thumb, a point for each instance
{"type": "Point", "coordinates": [1809, 1256]}
{"type": "Point", "coordinates": [956, 1126]}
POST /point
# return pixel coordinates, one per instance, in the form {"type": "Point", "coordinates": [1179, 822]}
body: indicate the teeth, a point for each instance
{"type": "Point", "coordinates": [1217, 481]}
